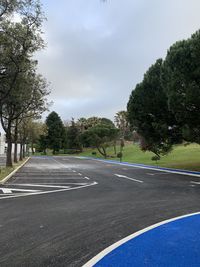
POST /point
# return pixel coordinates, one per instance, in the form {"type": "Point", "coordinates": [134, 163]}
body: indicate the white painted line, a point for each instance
{"type": "Point", "coordinates": [150, 174]}
{"type": "Point", "coordinates": [79, 174]}
{"type": "Point", "coordinates": [10, 190]}
{"type": "Point", "coordinates": [148, 168]}
{"type": "Point", "coordinates": [6, 190]}
{"type": "Point", "coordinates": [51, 184]}
{"type": "Point", "coordinates": [132, 179]}
{"type": "Point", "coordinates": [87, 178]}
{"type": "Point", "coordinates": [41, 185]}
{"type": "Point", "coordinates": [52, 178]}
{"type": "Point", "coordinates": [50, 192]}
{"type": "Point", "coordinates": [107, 250]}
{"type": "Point", "coordinates": [195, 182]}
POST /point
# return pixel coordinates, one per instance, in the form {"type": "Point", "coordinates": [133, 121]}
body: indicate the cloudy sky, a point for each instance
{"type": "Point", "coordinates": [98, 51]}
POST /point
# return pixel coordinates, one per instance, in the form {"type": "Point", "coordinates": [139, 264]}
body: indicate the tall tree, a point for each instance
{"type": "Point", "coordinates": [181, 81]}
{"type": "Point", "coordinates": [121, 121]}
{"type": "Point", "coordinates": [73, 137]}
{"type": "Point", "coordinates": [148, 112]}
{"type": "Point", "coordinates": [55, 132]}
{"type": "Point", "coordinates": [21, 90]}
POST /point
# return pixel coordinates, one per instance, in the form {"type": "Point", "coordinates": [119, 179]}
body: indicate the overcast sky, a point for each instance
{"type": "Point", "coordinates": [98, 51]}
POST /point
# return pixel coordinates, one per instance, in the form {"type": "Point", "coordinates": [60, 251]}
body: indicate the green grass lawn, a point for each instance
{"type": "Point", "coordinates": [182, 157]}
{"type": "Point", "coordinates": [4, 171]}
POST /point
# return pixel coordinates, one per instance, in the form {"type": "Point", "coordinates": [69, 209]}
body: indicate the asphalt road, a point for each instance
{"type": "Point", "coordinates": [63, 211]}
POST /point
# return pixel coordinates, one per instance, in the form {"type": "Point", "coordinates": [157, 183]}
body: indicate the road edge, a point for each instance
{"type": "Point", "coordinates": [149, 167]}
{"type": "Point", "coordinates": [13, 172]}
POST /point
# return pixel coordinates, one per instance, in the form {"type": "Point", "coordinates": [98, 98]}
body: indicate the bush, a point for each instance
{"type": "Point", "coordinates": [119, 155]}
{"type": "Point", "coordinates": [94, 152]}
{"type": "Point", "coordinates": [155, 158]}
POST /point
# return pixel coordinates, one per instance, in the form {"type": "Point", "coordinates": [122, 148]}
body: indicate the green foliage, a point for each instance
{"type": "Point", "coordinates": [100, 136]}
{"type": "Point", "coordinates": [120, 155]}
{"type": "Point", "coordinates": [164, 108]}
{"type": "Point", "coordinates": [149, 115]}
{"type": "Point", "coordinates": [181, 82]}
{"type": "Point", "coordinates": [42, 144]}
{"type": "Point", "coordinates": [73, 137]}
{"type": "Point", "coordinates": [22, 90]}
{"type": "Point", "coordinates": [122, 124]}
{"type": "Point", "coordinates": [55, 132]}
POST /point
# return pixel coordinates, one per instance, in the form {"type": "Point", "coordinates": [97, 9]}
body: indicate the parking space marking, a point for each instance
{"type": "Point", "coordinates": [41, 185]}
{"type": "Point", "coordinates": [9, 190]}
{"type": "Point", "coordinates": [195, 182]}
{"type": "Point", "coordinates": [49, 192]}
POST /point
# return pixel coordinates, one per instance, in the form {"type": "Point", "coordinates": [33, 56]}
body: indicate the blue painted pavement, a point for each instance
{"type": "Point", "coordinates": [174, 244]}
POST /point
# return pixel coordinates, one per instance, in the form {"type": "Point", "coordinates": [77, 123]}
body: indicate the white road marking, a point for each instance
{"type": "Point", "coordinates": [41, 185]}
{"type": "Point", "coordinates": [109, 249]}
{"type": "Point", "coordinates": [79, 173]}
{"type": "Point", "coordinates": [175, 171]}
{"type": "Point", "coordinates": [51, 184]}
{"type": "Point", "coordinates": [60, 188]}
{"type": "Point", "coordinates": [195, 182]}
{"type": "Point", "coordinates": [49, 192]}
{"type": "Point", "coordinates": [87, 178]}
{"type": "Point", "coordinates": [11, 190]}
{"type": "Point", "coordinates": [150, 173]}
{"type": "Point", "coordinates": [132, 179]}
{"type": "Point", "coordinates": [48, 178]}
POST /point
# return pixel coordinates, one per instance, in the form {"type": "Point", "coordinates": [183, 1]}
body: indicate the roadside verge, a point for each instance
{"type": "Point", "coordinates": [149, 167]}
{"type": "Point", "coordinates": [13, 172]}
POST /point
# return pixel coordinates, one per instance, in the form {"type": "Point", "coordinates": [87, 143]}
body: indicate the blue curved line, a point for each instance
{"type": "Point", "coordinates": [174, 244]}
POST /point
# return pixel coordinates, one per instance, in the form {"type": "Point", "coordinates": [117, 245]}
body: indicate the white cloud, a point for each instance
{"type": "Point", "coordinates": [97, 52]}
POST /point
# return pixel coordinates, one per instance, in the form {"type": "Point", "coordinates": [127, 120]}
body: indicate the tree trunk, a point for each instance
{"type": "Point", "coordinates": [21, 151]}
{"type": "Point", "coordinates": [15, 142]}
{"type": "Point", "coordinates": [9, 149]}
{"type": "Point", "coordinates": [102, 153]}
{"type": "Point", "coordinates": [115, 149]}
{"type": "Point", "coordinates": [32, 148]}
{"type": "Point", "coordinates": [15, 152]}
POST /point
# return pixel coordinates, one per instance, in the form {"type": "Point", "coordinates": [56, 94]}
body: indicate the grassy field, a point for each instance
{"type": "Point", "coordinates": [182, 157]}
{"type": "Point", "coordinates": [4, 171]}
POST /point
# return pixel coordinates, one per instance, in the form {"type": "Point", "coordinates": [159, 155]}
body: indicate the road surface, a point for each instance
{"type": "Point", "coordinates": [62, 211]}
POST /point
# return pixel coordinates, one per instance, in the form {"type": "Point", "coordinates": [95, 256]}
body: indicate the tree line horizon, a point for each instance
{"type": "Point", "coordinates": [163, 109]}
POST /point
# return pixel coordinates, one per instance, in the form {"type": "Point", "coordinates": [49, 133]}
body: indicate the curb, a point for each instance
{"type": "Point", "coordinates": [150, 167]}
{"type": "Point", "coordinates": [13, 172]}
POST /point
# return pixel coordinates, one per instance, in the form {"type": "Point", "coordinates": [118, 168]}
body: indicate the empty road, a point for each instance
{"type": "Point", "coordinates": [62, 211]}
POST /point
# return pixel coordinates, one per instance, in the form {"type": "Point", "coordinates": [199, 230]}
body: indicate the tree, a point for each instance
{"type": "Point", "coordinates": [100, 136]}
{"type": "Point", "coordinates": [106, 121]}
{"type": "Point", "coordinates": [21, 89]}
{"type": "Point", "coordinates": [122, 124]}
{"type": "Point", "coordinates": [148, 113]}
{"type": "Point", "coordinates": [27, 100]}
{"type": "Point", "coordinates": [82, 124]}
{"type": "Point", "coordinates": [181, 81]}
{"type": "Point", "coordinates": [35, 130]}
{"type": "Point", "coordinates": [43, 143]}
{"type": "Point", "coordinates": [73, 137]}
{"type": "Point", "coordinates": [55, 132]}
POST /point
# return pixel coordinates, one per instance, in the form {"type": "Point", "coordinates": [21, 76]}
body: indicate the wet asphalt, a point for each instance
{"type": "Point", "coordinates": [62, 211]}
